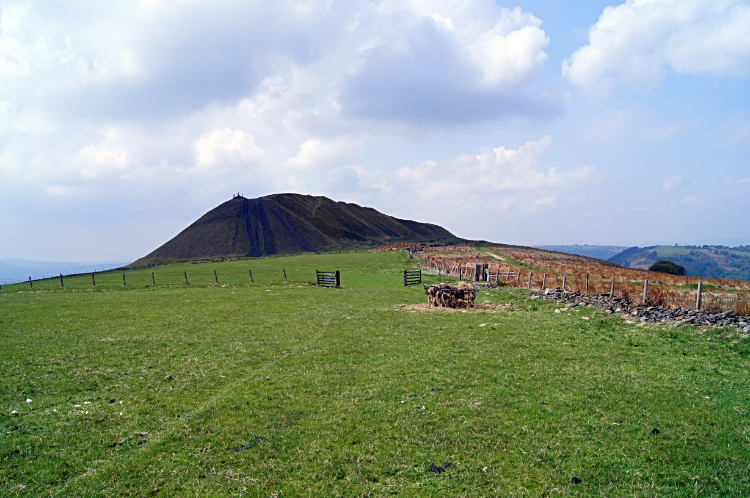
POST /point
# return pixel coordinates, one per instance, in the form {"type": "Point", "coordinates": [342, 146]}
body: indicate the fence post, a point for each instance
{"type": "Point", "coordinates": [251, 276]}
{"type": "Point", "coordinates": [62, 284]}
{"type": "Point", "coordinates": [518, 275]}
{"type": "Point", "coordinates": [612, 289]}
{"type": "Point", "coordinates": [216, 278]}
{"type": "Point", "coordinates": [93, 280]}
{"type": "Point", "coordinates": [587, 283]}
{"type": "Point", "coordinates": [544, 282]}
{"type": "Point", "coordinates": [338, 279]}
{"type": "Point", "coordinates": [284, 270]}
{"type": "Point", "coordinates": [186, 280]}
{"type": "Point", "coordinates": [645, 291]}
{"type": "Point", "coordinates": [565, 278]}
{"type": "Point", "coordinates": [31, 283]}
{"type": "Point", "coordinates": [531, 273]}
{"type": "Point", "coordinates": [153, 279]}
{"type": "Point", "coordinates": [477, 272]}
{"type": "Point", "coordinates": [698, 299]}
{"type": "Point", "coordinates": [404, 278]}
{"type": "Point", "coordinates": [123, 279]}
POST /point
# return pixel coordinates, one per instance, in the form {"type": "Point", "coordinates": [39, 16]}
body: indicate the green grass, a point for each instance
{"type": "Point", "coordinates": [335, 381]}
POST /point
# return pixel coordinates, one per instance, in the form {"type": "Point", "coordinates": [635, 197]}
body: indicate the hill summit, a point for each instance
{"type": "Point", "coordinates": [286, 223]}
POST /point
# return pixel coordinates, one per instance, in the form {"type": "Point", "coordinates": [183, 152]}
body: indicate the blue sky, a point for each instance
{"type": "Point", "coordinates": [532, 122]}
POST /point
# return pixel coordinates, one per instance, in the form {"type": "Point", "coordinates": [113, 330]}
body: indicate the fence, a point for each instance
{"type": "Point", "coordinates": [328, 278]}
{"type": "Point", "coordinates": [412, 277]}
{"type": "Point", "coordinates": [172, 276]}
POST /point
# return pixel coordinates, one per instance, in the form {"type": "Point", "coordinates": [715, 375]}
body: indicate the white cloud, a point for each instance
{"type": "Point", "coordinates": [491, 172]}
{"type": "Point", "coordinates": [322, 153]}
{"type": "Point", "coordinates": [673, 181]}
{"type": "Point", "coordinates": [638, 41]}
{"type": "Point", "coordinates": [225, 146]}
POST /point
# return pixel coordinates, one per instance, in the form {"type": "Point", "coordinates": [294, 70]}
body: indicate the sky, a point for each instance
{"type": "Point", "coordinates": [528, 122]}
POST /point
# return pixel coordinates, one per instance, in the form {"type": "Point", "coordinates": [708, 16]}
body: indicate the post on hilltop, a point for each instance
{"type": "Point", "coordinates": [698, 298]}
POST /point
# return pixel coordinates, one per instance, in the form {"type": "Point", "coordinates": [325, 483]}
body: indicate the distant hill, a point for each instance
{"type": "Point", "coordinates": [598, 252]}
{"type": "Point", "coordinates": [699, 261]}
{"type": "Point", "coordinates": [287, 223]}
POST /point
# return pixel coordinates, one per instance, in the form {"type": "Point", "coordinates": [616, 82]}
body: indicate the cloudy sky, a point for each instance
{"type": "Point", "coordinates": [527, 122]}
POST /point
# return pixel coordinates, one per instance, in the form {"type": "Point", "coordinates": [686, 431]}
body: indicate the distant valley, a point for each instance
{"type": "Point", "coordinates": [14, 270]}
{"type": "Point", "coordinates": [699, 261]}
{"type": "Point", "coordinates": [598, 252]}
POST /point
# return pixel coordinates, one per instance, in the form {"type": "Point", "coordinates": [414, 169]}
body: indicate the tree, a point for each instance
{"type": "Point", "coordinates": [665, 266]}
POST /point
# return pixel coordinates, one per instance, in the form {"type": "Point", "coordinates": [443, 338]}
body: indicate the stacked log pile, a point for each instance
{"type": "Point", "coordinates": [451, 296]}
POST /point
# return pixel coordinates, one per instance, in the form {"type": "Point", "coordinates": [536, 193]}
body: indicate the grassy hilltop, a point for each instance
{"type": "Point", "coordinates": [273, 389]}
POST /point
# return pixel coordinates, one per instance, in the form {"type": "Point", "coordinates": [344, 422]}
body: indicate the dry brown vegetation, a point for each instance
{"type": "Point", "coordinates": [537, 268]}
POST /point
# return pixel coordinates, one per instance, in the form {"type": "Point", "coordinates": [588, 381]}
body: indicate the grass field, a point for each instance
{"type": "Point", "coordinates": [147, 390]}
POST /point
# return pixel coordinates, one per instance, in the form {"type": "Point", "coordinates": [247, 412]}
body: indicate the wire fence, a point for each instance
{"type": "Point", "coordinates": [170, 276]}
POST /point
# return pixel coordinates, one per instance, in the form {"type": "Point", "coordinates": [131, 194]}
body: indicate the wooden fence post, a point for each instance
{"type": "Point", "coordinates": [530, 275]}
{"type": "Point", "coordinates": [698, 299]}
{"type": "Point", "coordinates": [123, 279]}
{"type": "Point", "coordinates": [284, 270]}
{"type": "Point", "coordinates": [518, 275]}
{"type": "Point", "coordinates": [153, 279]}
{"type": "Point", "coordinates": [477, 272]}
{"type": "Point", "coordinates": [31, 283]}
{"type": "Point", "coordinates": [186, 280]}
{"type": "Point", "coordinates": [338, 279]}
{"type": "Point", "coordinates": [612, 289]}
{"type": "Point", "coordinates": [62, 284]}
{"type": "Point", "coordinates": [404, 278]}
{"type": "Point", "coordinates": [93, 280]}
{"type": "Point", "coordinates": [645, 291]}
{"type": "Point", "coordinates": [587, 283]}
{"type": "Point", "coordinates": [544, 281]}
{"type": "Point", "coordinates": [251, 276]}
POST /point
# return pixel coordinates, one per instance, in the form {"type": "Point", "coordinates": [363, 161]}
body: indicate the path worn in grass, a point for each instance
{"type": "Point", "coordinates": [343, 392]}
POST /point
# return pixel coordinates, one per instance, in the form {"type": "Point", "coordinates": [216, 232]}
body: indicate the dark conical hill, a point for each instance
{"type": "Point", "coordinates": [286, 223]}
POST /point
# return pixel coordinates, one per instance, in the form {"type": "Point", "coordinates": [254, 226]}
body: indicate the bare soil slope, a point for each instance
{"type": "Point", "coordinates": [286, 223]}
